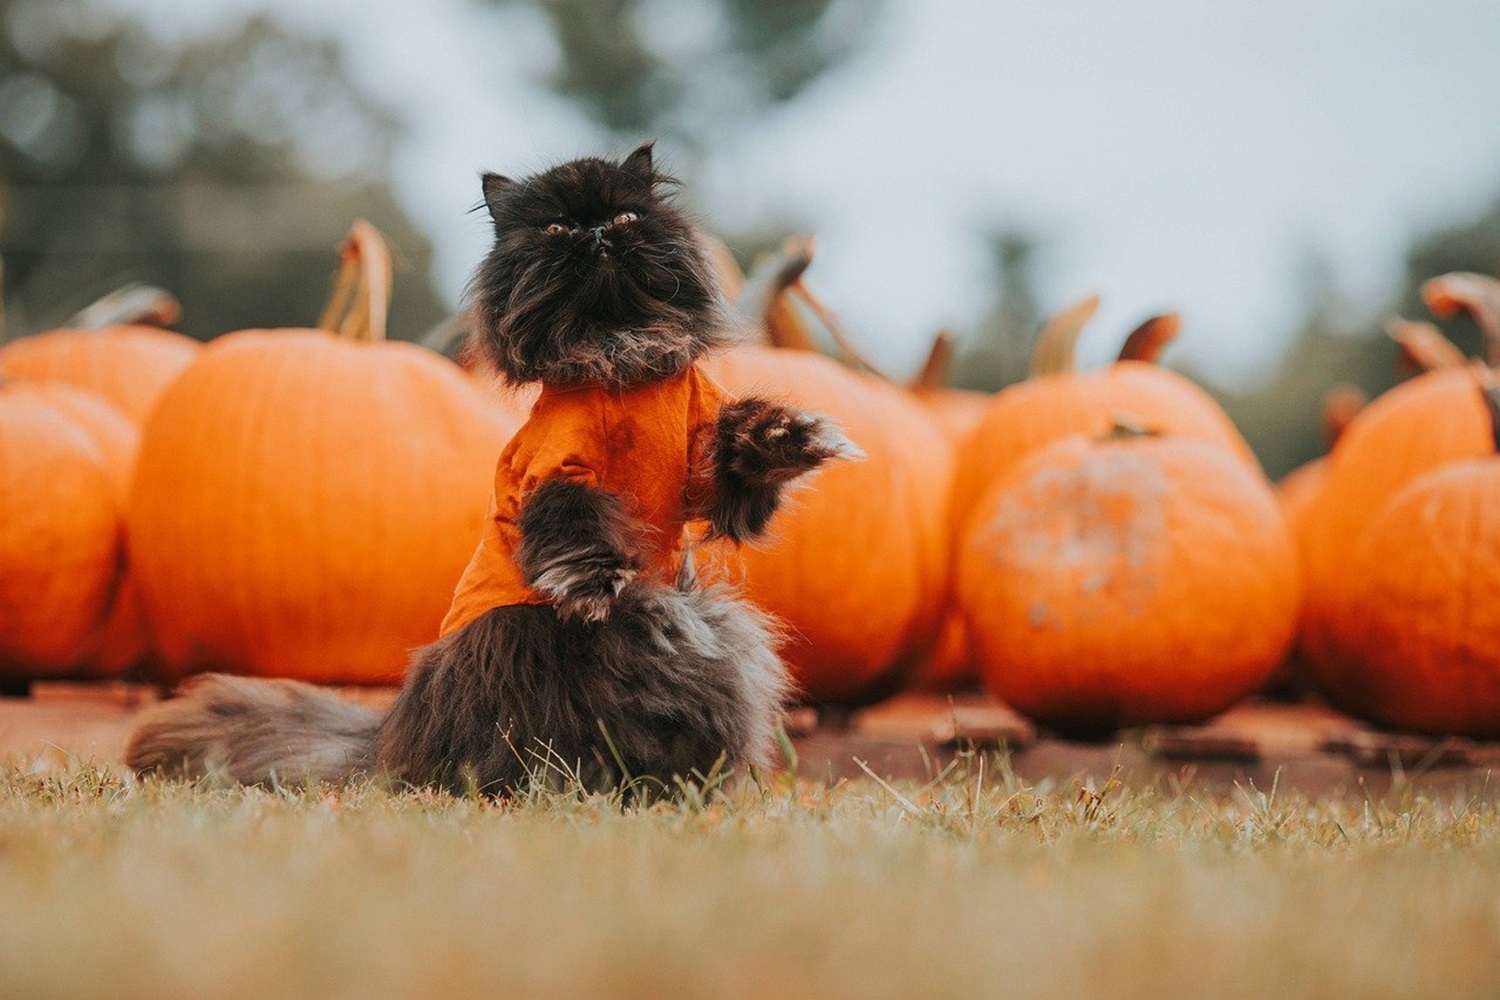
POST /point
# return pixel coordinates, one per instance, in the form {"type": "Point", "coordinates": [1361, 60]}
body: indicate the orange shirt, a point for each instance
{"type": "Point", "coordinates": [642, 444]}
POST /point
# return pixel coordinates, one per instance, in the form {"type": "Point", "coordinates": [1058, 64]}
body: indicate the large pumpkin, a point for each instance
{"type": "Point", "coordinates": [60, 537]}
{"type": "Point", "coordinates": [856, 563]}
{"type": "Point", "coordinates": [1057, 402]}
{"type": "Point", "coordinates": [305, 500]}
{"type": "Point", "coordinates": [128, 364]}
{"type": "Point", "coordinates": [958, 412]}
{"type": "Point", "coordinates": [795, 322]}
{"type": "Point", "coordinates": [1297, 488]}
{"type": "Point", "coordinates": [1423, 348]}
{"type": "Point", "coordinates": [1418, 426]}
{"type": "Point", "coordinates": [1119, 580]}
{"type": "Point", "coordinates": [1419, 622]}
{"type": "Point", "coordinates": [123, 640]}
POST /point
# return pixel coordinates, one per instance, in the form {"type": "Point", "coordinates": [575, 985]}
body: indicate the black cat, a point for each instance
{"type": "Point", "coordinates": [578, 645]}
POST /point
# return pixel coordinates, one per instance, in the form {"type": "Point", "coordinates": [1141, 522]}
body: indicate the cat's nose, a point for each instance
{"type": "Point", "coordinates": [600, 243]}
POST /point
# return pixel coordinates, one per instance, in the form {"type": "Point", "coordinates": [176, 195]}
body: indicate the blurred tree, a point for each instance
{"type": "Point", "coordinates": [225, 168]}
{"type": "Point", "coordinates": [1340, 342]}
{"type": "Point", "coordinates": [690, 70]}
{"type": "Point", "coordinates": [1467, 246]}
{"type": "Point", "coordinates": [999, 352]}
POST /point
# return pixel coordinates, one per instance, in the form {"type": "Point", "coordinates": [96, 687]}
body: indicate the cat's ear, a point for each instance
{"type": "Point", "coordinates": [495, 188]}
{"type": "Point", "coordinates": [639, 162]}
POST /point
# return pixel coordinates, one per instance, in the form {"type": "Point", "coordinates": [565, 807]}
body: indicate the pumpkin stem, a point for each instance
{"type": "Point", "coordinates": [1489, 391]}
{"type": "Point", "coordinates": [934, 373]}
{"type": "Point", "coordinates": [361, 293]}
{"type": "Point", "coordinates": [786, 303]}
{"type": "Point", "coordinates": [1126, 425]}
{"type": "Point", "coordinates": [132, 304]}
{"type": "Point", "coordinates": [1341, 404]}
{"type": "Point", "coordinates": [1477, 294]}
{"type": "Point", "coordinates": [851, 354]}
{"type": "Point", "coordinates": [726, 268]}
{"type": "Point", "coordinates": [1147, 341]}
{"type": "Point", "coordinates": [1053, 354]}
{"type": "Point", "coordinates": [1423, 346]}
{"type": "Point", "coordinates": [759, 296]}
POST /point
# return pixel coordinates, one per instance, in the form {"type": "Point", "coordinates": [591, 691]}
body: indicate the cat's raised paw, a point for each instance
{"type": "Point", "coordinates": [763, 442]}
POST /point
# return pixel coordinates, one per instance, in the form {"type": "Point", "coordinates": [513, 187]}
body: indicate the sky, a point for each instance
{"type": "Point", "coordinates": [1172, 154]}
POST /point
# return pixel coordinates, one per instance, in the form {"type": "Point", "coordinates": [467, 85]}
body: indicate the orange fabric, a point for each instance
{"type": "Point", "coordinates": [642, 444]}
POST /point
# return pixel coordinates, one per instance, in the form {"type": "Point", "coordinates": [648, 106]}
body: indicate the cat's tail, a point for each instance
{"type": "Point", "coordinates": [255, 732]}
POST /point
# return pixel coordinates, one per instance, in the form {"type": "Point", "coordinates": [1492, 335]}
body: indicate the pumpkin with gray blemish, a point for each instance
{"type": "Point", "coordinates": [1058, 401]}
{"type": "Point", "coordinates": [1127, 579]}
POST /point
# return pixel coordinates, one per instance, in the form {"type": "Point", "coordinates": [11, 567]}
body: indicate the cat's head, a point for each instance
{"type": "Point", "coordinates": [594, 277]}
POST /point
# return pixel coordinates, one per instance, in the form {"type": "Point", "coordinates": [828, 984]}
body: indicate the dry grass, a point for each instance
{"type": "Point", "coordinates": [975, 885]}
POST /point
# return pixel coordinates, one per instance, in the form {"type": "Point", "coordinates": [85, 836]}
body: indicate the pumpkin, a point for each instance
{"type": "Point", "coordinates": [856, 563]}
{"type": "Point", "coordinates": [1419, 635]}
{"type": "Point", "coordinates": [957, 411]}
{"type": "Point", "coordinates": [1057, 402]}
{"type": "Point", "coordinates": [305, 500]}
{"type": "Point", "coordinates": [1418, 426]}
{"type": "Point", "coordinates": [907, 452]}
{"type": "Point", "coordinates": [1341, 404]}
{"type": "Point", "coordinates": [123, 641]}
{"type": "Point", "coordinates": [127, 363]}
{"type": "Point", "coordinates": [947, 665]}
{"type": "Point", "coordinates": [1422, 348]}
{"type": "Point", "coordinates": [60, 537]}
{"type": "Point", "coordinates": [1126, 579]}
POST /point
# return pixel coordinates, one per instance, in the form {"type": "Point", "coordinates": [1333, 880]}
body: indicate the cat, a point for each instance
{"type": "Point", "coordinates": [579, 647]}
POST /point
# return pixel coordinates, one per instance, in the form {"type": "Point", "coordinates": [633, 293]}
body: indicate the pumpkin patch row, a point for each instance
{"type": "Point", "coordinates": [1096, 548]}
{"type": "Point", "coordinates": [1112, 553]}
{"type": "Point", "coordinates": [72, 402]}
{"type": "Point", "coordinates": [1399, 541]}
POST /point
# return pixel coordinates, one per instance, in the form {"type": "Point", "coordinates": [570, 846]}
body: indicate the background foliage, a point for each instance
{"type": "Point", "coordinates": [225, 166]}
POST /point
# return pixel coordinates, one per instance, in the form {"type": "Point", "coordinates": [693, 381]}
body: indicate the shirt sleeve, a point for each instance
{"type": "Point", "coordinates": [707, 399]}
{"type": "Point", "coordinates": [568, 440]}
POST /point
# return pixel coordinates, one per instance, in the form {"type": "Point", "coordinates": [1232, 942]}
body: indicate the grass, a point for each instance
{"type": "Point", "coordinates": [974, 885]}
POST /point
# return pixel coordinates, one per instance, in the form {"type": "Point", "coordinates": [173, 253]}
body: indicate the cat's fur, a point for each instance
{"type": "Point", "coordinates": [619, 304]}
{"type": "Point", "coordinates": [594, 278]}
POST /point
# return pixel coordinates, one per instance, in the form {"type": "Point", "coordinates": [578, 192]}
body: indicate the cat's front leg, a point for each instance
{"type": "Point", "coordinates": [759, 447]}
{"type": "Point", "coordinates": [577, 547]}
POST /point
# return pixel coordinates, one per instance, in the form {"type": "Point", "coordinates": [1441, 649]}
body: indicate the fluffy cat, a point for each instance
{"type": "Point", "coordinates": [578, 645]}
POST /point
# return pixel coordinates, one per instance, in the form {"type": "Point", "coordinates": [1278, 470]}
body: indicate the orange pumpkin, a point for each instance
{"type": "Point", "coordinates": [1423, 348]}
{"type": "Point", "coordinates": [857, 560]}
{"type": "Point", "coordinates": [1119, 580]}
{"type": "Point", "coordinates": [1297, 488]}
{"type": "Point", "coordinates": [60, 538]}
{"type": "Point", "coordinates": [947, 665]}
{"type": "Point", "coordinates": [806, 567]}
{"type": "Point", "coordinates": [305, 500]}
{"type": "Point", "coordinates": [127, 363]}
{"type": "Point", "coordinates": [1419, 624]}
{"type": "Point", "coordinates": [1418, 426]}
{"type": "Point", "coordinates": [1058, 402]}
{"type": "Point", "coordinates": [957, 411]}
{"type": "Point", "coordinates": [124, 641]}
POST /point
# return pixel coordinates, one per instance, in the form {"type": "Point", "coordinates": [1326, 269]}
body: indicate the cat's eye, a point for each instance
{"type": "Point", "coordinates": [556, 229]}
{"type": "Point", "coordinates": [625, 217]}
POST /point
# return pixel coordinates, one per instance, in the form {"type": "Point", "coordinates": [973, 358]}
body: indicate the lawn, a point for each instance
{"type": "Point", "coordinates": [975, 884]}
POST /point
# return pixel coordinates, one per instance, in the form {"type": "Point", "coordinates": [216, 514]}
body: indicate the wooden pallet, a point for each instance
{"type": "Point", "coordinates": [915, 736]}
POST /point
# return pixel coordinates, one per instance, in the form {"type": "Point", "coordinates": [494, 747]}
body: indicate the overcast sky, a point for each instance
{"type": "Point", "coordinates": [1176, 154]}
